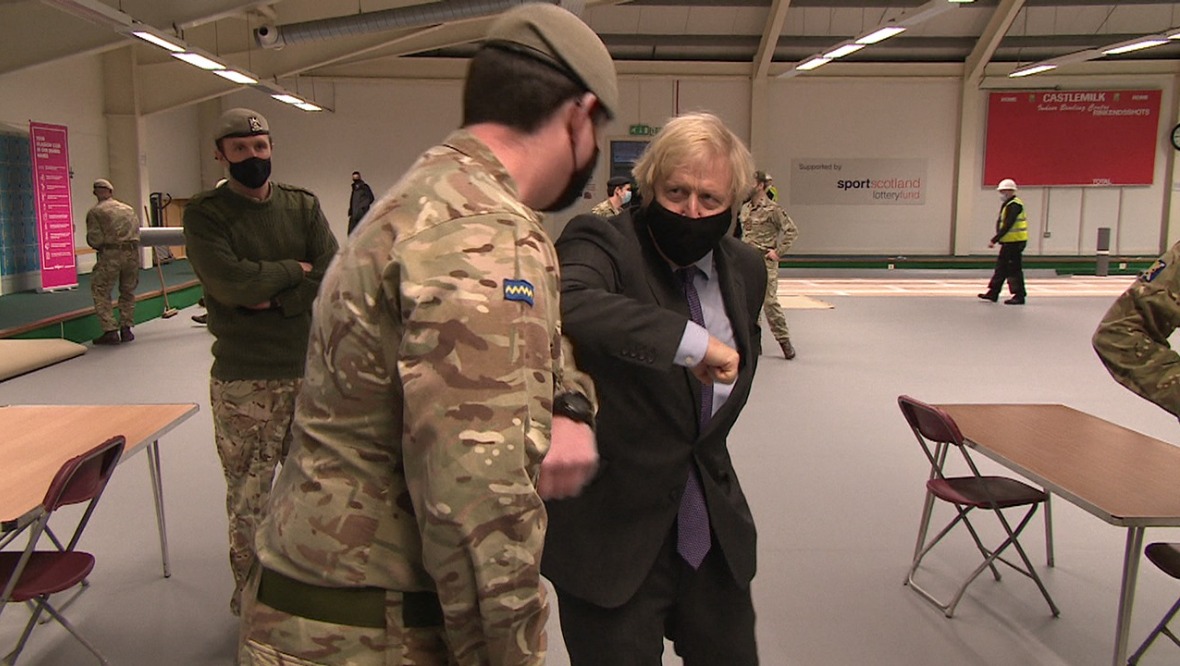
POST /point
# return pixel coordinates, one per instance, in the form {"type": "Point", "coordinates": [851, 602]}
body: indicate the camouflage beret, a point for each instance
{"type": "Point", "coordinates": [103, 183]}
{"type": "Point", "coordinates": [554, 35]}
{"type": "Point", "coordinates": [241, 122]}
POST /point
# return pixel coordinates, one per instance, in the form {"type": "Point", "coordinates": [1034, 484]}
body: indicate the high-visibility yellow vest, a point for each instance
{"type": "Point", "coordinates": [1019, 230]}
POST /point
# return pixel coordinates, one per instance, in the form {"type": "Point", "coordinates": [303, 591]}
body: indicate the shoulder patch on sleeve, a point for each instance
{"type": "Point", "coordinates": [1154, 270]}
{"type": "Point", "coordinates": [519, 290]}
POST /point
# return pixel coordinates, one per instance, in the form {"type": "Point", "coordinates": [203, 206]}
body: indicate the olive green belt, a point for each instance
{"type": "Point", "coordinates": [350, 606]}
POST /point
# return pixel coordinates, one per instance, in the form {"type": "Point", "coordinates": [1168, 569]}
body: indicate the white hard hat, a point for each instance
{"type": "Point", "coordinates": [1006, 184]}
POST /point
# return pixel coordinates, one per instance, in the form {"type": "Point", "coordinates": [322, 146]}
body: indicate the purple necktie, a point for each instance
{"type": "Point", "coordinates": [692, 539]}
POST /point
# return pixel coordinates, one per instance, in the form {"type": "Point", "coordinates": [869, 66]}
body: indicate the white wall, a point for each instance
{"type": "Point", "coordinates": [65, 93]}
{"type": "Point", "coordinates": [867, 119]}
{"type": "Point", "coordinates": [173, 152]}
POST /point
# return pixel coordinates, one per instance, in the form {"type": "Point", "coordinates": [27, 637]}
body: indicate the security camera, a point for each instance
{"type": "Point", "coordinates": [269, 37]}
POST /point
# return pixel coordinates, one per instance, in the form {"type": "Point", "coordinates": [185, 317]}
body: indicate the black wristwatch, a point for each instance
{"type": "Point", "coordinates": [574, 406]}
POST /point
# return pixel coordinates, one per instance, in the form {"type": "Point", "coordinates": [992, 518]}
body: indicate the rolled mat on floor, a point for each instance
{"type": "Point", "coordinates": [803, 303]}
{"type": "Point", "coordinates": [20, 356]}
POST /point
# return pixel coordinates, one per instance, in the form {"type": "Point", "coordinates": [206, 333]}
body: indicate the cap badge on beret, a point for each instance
{"type": "Point", "coordinates": [255, 124]}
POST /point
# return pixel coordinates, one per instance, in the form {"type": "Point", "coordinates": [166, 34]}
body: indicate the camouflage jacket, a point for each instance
{"type": "Point", "coordinates": [1132, 339]}
{"type": "Point", "coordinates": [604, 208]}
{"type": "Point", "coordinates": [434, 357]}
{"type": "Point", "coordinates": [766, 226]}
{"type": "Point", "coordinates": [110, 223]}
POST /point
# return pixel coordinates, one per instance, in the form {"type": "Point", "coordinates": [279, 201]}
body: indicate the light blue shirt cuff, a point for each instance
{"type": "Point", "coordinates": [693, 345]}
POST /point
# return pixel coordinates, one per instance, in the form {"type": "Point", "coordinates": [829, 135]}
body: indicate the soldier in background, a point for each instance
{"type": "Point", "coordinates": [1132, 339]}
{"type": "Point", "coordinates": [360, 199]}
{"type": "Point", "coordinates": [619, 189]}
{"type": "Point", "coordinates": [766, 227]}
{"type": "Point", "coordinates": [407, 524]}
{"type": "Point", "coordinates": [259, 249]}
{"type": "Point", "coordinates": [112, 229]}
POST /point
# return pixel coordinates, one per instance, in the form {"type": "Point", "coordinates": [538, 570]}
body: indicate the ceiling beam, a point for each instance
{"type": "Point", "coordinates": [770, 36]}
{"type": "Point", "coordinates": [997, 26]}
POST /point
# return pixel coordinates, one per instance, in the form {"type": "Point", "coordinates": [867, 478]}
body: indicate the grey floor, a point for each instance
{"type": "Point", "coordinates": [832, 473]}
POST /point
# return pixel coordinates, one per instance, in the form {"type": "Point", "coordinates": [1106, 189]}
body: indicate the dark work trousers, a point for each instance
{"type": "Point", "coordinates": [1010, 267]}
{"type": "Point", "coordinates": [706, 615]}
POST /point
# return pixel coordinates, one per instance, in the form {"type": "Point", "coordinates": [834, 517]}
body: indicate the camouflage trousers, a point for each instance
{"type": "Point", "coordinates": [252, 428]}
{"type": "Point", "coordinates": [115, 265]}
{"type": "Point", "coordinates": [271, 637]}
{"type": "Point", "coordinates": [771, 308]}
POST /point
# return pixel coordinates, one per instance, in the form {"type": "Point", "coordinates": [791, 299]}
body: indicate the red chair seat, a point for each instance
{"type": "Point", "coordinates": [45, 573]}
{"type": "Point", "coordinates": [982, 491]}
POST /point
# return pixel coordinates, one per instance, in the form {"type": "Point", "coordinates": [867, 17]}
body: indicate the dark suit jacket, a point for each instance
{"type": "Point", "coordinates": [625, 313]}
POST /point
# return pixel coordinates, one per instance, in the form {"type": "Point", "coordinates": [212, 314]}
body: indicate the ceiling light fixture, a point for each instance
{"type": "Point", "coordinates": [881, 34]}
{"type": "Point", "coordinates": [894, 26]}
{"type": "Point", "coordinates": [157, 40]}
{"type": "Point", "coordinates": [1128, 46]}
{"type": "Point", "coordinates": [236, 76]}
{"type": "Point", "coordinates": [816, 61]}
{"type": "Point", "coordinates": [198, 60]}
{"type": "Point", "coordinates": [1135, 45]}
{"type": "Point", "coordinates": [841, 51]}
{"type": "Point", "coordinates": [1029, 71]}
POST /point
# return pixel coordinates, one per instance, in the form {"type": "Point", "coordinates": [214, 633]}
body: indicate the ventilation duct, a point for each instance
{"type": "Point", "coordinates": [276, 37]}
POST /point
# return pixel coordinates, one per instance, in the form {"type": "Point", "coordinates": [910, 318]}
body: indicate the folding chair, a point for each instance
{"type": "Point", "coordinates": [1166, 556]}
{"type": "Point", "coordinates": [938, 434]}
{"type": "Point", "coordinates": [31, 575]}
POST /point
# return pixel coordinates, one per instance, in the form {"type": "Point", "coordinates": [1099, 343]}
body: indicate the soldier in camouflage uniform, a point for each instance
{"type": "Point", "coordinates": [619, 189]}
{"type": "Point", "coordinates": [112, 229]}
{"type": "Point", "coordinates": [407, 523]}
{"type": "Point", "coordinates": [766, 227]}
{"type": "Point", "coordinates": [1132, 339]}
{"type": "Point", "coordinates": [259, 248]}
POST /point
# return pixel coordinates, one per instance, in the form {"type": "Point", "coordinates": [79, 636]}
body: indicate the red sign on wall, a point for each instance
{"type": "Point", "coordinates": [55, 214]}
{"type": "Point", "coordinates": [1080, 137]}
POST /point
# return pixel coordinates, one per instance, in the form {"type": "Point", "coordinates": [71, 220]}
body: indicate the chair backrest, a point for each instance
{"type": "Point", "coordinates": [84, 477]}
{"type": "Point", "coordinates": [929, 421]}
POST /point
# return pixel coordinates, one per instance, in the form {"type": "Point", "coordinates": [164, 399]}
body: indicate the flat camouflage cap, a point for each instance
{"type": "Point", "coordinates": [556, 36]}
{"type": "Point", "coordinates": [241, 122]}
{"type": "Point", "coordinates": [102, 183]}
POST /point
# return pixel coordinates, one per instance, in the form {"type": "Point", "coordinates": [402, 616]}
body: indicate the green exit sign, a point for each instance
{"type": "Point", "coordinates": [642, 130]}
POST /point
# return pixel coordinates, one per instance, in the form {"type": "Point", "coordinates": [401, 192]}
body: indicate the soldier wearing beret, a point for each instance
{"type": "Point", "coordinates": [1132, 339]}
{"type": "Point", "coordinates": [406, 526]}
{"type": "Point", "coordinates": [766, 227]}
{"type": "Point", "coordinates": [112, 229]}
{"type": "Point", "coordinates": [619, 191]}
{"type": "Point", "coordinates": [259, 249]}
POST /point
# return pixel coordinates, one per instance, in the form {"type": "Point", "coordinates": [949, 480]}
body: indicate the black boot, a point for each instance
{"type": "Point", "coordinates": [125, 334]}
{"type": "Point", "coordinates": [788, 349]}
{"type": "Point", "coordinates": [108, 338]}
{"type": "Point", "coordinates": [989, 297]}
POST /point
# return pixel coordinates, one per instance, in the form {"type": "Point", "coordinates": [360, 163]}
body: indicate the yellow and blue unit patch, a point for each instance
{"type": "Point", "coordinates": [519, 290]}
{"type": "Point", "coordinates": [1154, 270]}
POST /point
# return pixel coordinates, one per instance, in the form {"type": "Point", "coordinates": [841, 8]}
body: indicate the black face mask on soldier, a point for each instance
{"type": "Point", "coordinates": [253, 172]}
{"type": "Point", "coordinates": [682, 239]}
{"type": "Point", "coordinates": [575, 186]}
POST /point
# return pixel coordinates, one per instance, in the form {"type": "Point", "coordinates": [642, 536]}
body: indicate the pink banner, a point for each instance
{"type": "Point", "coordinates": [55, 213]}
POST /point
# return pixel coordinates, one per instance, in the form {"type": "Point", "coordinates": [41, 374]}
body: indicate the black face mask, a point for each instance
{"type": "Point", "coordinates": [252, 172]}
{"type": "Point", "coordinates": [574, 188]}
{"type": "Point", "coordinates": [682, 239]}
